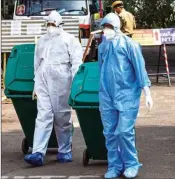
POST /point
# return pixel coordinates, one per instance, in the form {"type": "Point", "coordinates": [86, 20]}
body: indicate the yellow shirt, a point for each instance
{"type": "Point", "coordinates": [127, 22]}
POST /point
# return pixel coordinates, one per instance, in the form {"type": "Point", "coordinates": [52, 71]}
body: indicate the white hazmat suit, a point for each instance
{"type": "Point", "coordinates": [58, 56]}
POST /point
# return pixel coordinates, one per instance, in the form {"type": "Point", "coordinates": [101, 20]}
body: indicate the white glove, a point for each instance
{"type": "Point", "coordinates": [34, 95]}
{"type": "Point", "coordinates": [149, 101]}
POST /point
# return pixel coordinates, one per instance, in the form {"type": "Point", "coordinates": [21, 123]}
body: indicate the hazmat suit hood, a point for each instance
{"type": "Point", "coordinates": [54, 17]}
{"type": "Point", "coordinates": [113, 20]}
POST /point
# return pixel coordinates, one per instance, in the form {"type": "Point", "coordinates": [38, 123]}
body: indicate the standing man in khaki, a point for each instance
{"type": "Point", "coordinates": [127, 19]}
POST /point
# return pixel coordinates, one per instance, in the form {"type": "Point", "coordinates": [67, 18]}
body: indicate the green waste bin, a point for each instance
{"type": "Point", "coordinates": [19, 86]}
{"type": "Point", "coordinates": [85, 100]}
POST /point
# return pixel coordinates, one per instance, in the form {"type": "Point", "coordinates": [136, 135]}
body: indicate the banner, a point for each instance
{"type": "Point", "coordinates": [149, 37]}
{"type": "Point", "coordinates": [167, 36]}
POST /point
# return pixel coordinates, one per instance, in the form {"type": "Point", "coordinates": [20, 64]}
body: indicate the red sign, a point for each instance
{"type": "Point", "coordinates": [21, 9]}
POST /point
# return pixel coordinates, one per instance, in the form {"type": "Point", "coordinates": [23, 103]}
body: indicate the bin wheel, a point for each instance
{"type": "Point", "coordinates": [85, 157]}
{"type": "Point", "coordinates": [25, 146]}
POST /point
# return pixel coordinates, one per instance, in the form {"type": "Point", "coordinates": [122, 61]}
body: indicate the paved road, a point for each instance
{"type": "Point", "coordinates": [155, 142]}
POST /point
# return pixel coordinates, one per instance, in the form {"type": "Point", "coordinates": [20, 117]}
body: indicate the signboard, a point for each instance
{"type": "Point", "coordinates": [149, 37]}
{"type": "Point", "coordinates": [15, 27]}
{"type": "Point", "coordinates": [167, 36]}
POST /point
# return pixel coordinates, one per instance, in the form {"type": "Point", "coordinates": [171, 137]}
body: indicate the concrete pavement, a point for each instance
{"type": "Point", "coordinates": [155, 143]}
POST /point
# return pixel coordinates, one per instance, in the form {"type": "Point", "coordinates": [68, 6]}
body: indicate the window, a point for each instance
{"type": "Point", "coordinates": [41, 7]}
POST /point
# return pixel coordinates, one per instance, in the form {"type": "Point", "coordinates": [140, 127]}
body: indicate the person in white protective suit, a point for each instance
{"type": "Point", "coordinates": [122, 78]}
{"type": "Point", "coordinates": [58, 56]}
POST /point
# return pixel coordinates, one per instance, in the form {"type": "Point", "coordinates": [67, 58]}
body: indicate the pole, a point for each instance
{"type": "Point", "coordinates": [35, 39]}
{"type": "Point", "coordinates": [4, 68]}
{"type": "Point", "coordinates": [101, 7]}
{"type": "Point", "coordinates": [166, 64]}
{"type": "Point", "coordinates": [89, 42]}
{"type": "Point", "coordinates": [158, 65]}
{"type": "Point", "coordinates": [87, 47]}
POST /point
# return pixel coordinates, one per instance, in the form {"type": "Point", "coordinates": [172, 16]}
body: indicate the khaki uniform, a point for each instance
{"type": "Point", "coordinates": [127, 22]}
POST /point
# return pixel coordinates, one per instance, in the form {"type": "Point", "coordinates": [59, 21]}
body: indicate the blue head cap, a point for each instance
{"type": "Point", "coordinates": [113, 20]}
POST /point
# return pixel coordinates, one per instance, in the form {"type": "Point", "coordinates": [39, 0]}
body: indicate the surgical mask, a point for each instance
{"type": "Point", "coordinates": [53, 30]}
{"type": "Point", "coordinates": [109, 33]}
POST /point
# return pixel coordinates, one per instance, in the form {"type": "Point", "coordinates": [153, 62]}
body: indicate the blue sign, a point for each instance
{"type": "Point", "coordinates": [167, 36]}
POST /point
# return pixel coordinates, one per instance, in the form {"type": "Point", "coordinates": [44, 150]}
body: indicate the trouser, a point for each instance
{"type": "Point", "coordinates": [52, 92]}
{"type": "Point", "coordinates": [119, 132]}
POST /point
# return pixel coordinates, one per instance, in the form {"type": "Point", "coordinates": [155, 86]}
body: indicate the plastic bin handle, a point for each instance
{"type": "Point", "coordinates": [81, 70]}
{"type": "Point", "coordinates": [13, 54]}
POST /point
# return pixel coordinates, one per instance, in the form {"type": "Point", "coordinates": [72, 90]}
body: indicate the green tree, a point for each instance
{"type": "Point", "coordinates": [151, 13]}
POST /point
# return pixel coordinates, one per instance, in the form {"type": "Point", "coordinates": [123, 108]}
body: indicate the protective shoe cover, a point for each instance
{"type": "Point", "coordinates": [122, 78]}
{"type": "Point", "coordinates": [112, 173]}
{"type": "Point", "coordinates": [35, 159]}
{"type": "Point", "coordinates": [57, 59]}
{"type": "Point", "coordinates": [131, 172]}
{"type": "Point", "coordinates": [64, 157]}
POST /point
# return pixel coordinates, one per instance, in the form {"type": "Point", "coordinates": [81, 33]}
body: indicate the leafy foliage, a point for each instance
{"type": "Point", "coordinates": [150, 13]}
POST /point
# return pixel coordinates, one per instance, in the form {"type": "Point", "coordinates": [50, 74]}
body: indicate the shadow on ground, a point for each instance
{"type": "Point", "coordinates": [156, 147]}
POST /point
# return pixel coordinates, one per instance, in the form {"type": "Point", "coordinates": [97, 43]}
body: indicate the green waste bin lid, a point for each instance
{"type": "Point", "coordinates": [20, 70]}
{"type": "Point", "coordinates": [85, 86]}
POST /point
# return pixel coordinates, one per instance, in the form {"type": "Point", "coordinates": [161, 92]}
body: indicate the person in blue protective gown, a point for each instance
{"type": "Point", "coordinates": [122, 78]}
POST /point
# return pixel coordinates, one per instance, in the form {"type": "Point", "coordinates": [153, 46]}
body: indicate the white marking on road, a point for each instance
{"type": "Point", "coordinates": [3, 98]}
{"type": "Point", "coordinates": [86, 176]}
{"type": "Point", "coordinates": [4, 177]}
{"type": "Point", "coordinates": [46, 177]}
{"type": "Point", "coordinates": [51, 177]}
